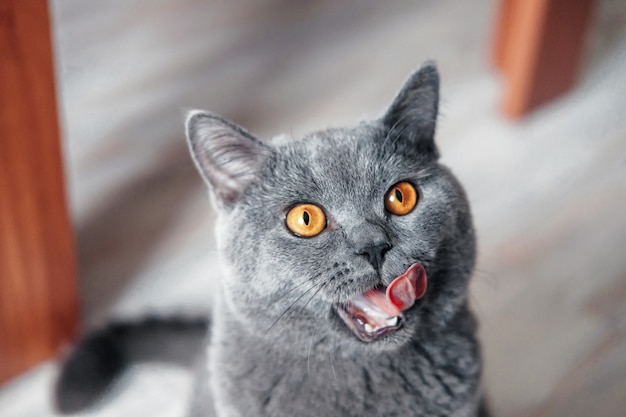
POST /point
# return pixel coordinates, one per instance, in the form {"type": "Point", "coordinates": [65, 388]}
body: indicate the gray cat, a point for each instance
{"type": "Point", "coordinates": [346, 258]}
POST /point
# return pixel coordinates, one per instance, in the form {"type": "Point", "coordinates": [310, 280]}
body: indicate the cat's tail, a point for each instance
{"type": "Point", "coordinates": [93, 365]}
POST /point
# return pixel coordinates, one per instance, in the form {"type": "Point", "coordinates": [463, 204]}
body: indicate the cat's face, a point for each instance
{"type": "Point", "coordinates": [356, 233]}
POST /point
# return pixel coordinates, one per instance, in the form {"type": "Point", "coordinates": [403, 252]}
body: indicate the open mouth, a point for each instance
{"type": "Point", "coordinates": [378, 311]}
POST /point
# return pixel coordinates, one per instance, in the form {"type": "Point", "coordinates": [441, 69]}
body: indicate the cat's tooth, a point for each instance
{"type": "Point", "coordinates": [392, 321]}
{"type": "Point", "coordinates": [368, 328]}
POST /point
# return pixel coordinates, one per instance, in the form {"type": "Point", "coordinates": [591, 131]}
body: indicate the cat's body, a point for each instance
{"type": "Point", "coordinates": [419, 379]}
{"type": "Point", "coordinates": [347, 256]}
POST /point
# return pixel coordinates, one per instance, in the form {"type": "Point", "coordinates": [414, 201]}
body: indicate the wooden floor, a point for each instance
{"type": "Point", "coordinates": [548, 193]}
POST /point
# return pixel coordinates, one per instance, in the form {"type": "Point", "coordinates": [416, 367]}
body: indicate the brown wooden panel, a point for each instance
{"type": "Point", "coordinates": [38, 307]}
{"type": "Point", "coordinates": [539, 46]}
{"type": "Point", "coordinates": [504, 22]}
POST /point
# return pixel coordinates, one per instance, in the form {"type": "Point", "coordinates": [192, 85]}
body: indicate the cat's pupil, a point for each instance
{"type": "Point", "coordinates": [306, 218]}
{"type": "Point", "coordinates": [399, 195]}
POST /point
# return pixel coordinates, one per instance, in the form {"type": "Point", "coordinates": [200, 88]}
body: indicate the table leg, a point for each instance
{"type": "Point", "coordinates": [38, 291]}
{"type": "Point", "coordinates": [539, 46]}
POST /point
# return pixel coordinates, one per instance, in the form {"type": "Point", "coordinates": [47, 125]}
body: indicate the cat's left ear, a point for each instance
{"type": "Point", "coordinates": [412, 116]}
{"type": "Point", "coordinates": [227, 156]}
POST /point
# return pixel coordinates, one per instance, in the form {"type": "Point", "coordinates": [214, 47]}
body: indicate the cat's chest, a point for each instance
{"type": "Point", "coordinates": [329, 384]}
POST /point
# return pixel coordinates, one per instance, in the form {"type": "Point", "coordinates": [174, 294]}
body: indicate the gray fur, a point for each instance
{"type": "Point", "coordinates": [277, 346]}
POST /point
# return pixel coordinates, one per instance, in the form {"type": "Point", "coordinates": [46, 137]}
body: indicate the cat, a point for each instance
{"type": "Point", "coordinates": [346, 256]}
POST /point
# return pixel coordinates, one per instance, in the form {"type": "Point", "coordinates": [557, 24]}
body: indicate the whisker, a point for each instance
{"type": "Point", "coordinates": [311, 298]}
{"type": "Point", "coordinates": [480, 312]}
{"type": "Point", "coordinates": [291, 305]}
{"type": "Point", "coordinates": [331, 353]}
{"type": "Point", "coordinates": [308, 279]}
{"type": "Point", "coordinates": [308, 357]}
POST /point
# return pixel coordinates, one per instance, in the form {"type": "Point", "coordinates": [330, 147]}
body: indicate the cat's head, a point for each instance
{"type": "Point", "coordinates": [353, 232]}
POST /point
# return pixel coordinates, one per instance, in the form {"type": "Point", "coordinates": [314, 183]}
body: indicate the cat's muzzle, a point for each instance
{"type": "Point", "coordinates": [378, 311]}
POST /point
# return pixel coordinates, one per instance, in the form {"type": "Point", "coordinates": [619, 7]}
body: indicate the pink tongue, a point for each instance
{"type": "Point", "coordinates": [408, 287]}
{"type": "Point", "coordinates": [401, 294]}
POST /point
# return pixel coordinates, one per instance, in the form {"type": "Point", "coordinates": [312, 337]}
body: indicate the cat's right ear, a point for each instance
{"type": "Point", "coordinates": [227, 156]}
{"type": "Point", "coordinates": [412, 116]}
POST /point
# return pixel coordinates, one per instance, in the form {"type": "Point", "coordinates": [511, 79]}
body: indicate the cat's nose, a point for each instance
{"type": "Point", "coordinates": [375, 253]}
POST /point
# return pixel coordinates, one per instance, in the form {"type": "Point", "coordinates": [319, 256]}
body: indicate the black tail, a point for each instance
{"type": "Point", "coordinates": [94, 364]}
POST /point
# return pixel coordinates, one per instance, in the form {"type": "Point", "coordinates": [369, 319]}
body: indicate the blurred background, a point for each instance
{"type": "Point", "coordinates": [548, 191]}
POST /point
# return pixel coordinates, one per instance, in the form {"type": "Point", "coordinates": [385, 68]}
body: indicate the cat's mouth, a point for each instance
{"type": "Point", "coordinates": [378, 311]}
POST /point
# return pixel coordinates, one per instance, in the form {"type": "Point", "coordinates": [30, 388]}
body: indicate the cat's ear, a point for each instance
{"type": "Point", "coordinates": [228, 157]}
{"type": "Point", "coordinates": [412, 116]}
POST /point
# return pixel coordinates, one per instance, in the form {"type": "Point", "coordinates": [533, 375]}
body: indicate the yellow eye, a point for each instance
{"type": "Point", "coordinates": [401, 198]}
{"type": "Point", "coordinates": [306, 220]}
